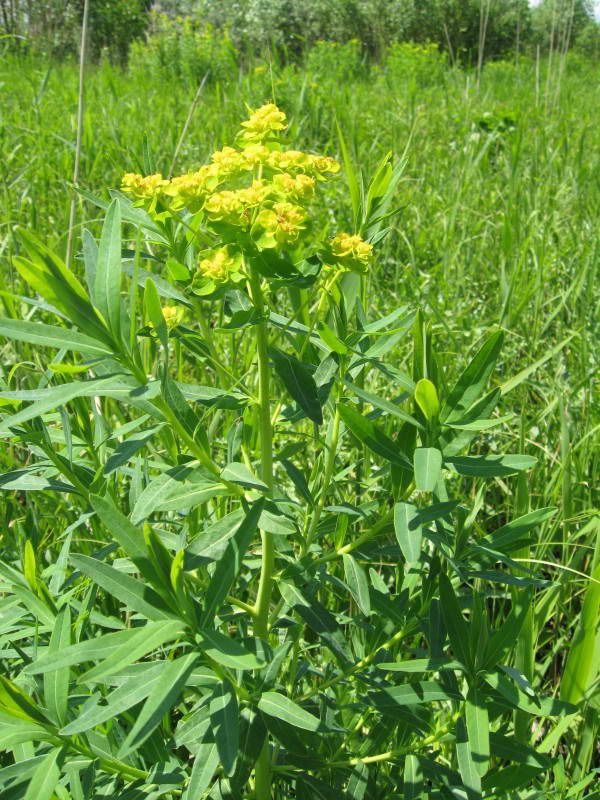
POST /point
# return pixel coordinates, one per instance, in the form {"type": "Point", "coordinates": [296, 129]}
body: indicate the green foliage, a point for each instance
{"type": "Point", "coordinates": [425, 524]}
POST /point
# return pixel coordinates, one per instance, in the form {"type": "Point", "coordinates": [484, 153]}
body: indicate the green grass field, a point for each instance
{"type": "Point", "coordinates": [497, 225]}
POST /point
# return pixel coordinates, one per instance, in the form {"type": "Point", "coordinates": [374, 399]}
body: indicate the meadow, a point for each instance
{"type": "Point", "coordinates": [490, 217]}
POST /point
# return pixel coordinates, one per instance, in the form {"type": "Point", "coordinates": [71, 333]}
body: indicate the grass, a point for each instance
{"type": "Point", "coordinates": [497, 225]}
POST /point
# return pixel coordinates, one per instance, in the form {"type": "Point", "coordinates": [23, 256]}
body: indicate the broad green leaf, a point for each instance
{"type": "Point", "coordinates": [331, 340]}
{"type": "Point", "coordinates": [426, 398]}
{"type": "Point", "coordinates": [458, 630]}
{"type": "Point", "coordinates": [358, 584]}
{"type": "Point", "coordinates": [56, 683]}
{"type": "Point", "coordinates": [357, 785]}
{"type": "Point", "coordinates": [373, 437]}
{"type": "Point", "coordinates": [230, 562]}
{"type": "Point", "coordinates": [299, 382]}
{"type": "Point", "coordinates": [163, 698]}
{"type": "Point", "coordinates": [281, 707]}
{"type": "Point", "coordinates": [490, 466]}
{"type": "Point", "coordinates": [210, 543]}
{"type": "Point", "coordinates": [42, 335]}
{"type": "Point", "coordinates": [107, 281]}
{"type": "Point", "coordinates": [467, 766]}
{"type": "Point", "coordinates": [408, 531]}
{"type": "Point", "coordinates": [146, 638]}
{"type": "Point", "coordinates": [472, 382]}
{"type": "Point", "coordinates": [427, 464]}
{"type": "Point", "coordinates": [19, 772]}
{"type": "Point", "coordinates": [224, 720]}
{"type": "Point", "coordinates": [18, 704]}
{"type": "Point", "coordinates": [240, 474]}
{"type": "Point", "coordinates": [127, 449]}
{"type": "Point", "coordinates": [24, 481]}
{"type": "Point", "coordinates": [134, 594]}
{"type": "Point", "coordinates": [44, 779]}
{"type": "Point", "coordinates": [478, 729]}
{"type": "Point", "coordinates": [227, 651]}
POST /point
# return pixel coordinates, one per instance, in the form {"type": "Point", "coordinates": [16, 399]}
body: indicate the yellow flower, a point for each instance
{"type": "Point", "coordinates": [144, 190]}
{"type": "Point", "coordinates": [299, 188]}
{"type": "Point", "coordinates": [190, 190]}
{"type": "Point", "coordinates": [351, 252]}
{"type": "Point", "coordinates": [254, 155]}
{"type": "Point", "coordinates": [321, 164]}
{"type": "Point", "coordinates": [279, 225]}
{"type": "Point", "coordinates": [228, 161]}
{"type": "Point", "coordinates": [264, 121]}
{"type": "Point", "coordinates": [219, 267]}
{"type": "Point", "coordinates": [173, 315]}
{"type": "Point", "coordinates": [225, 206]}
{"type": "Point", "coordinates": [288, 160]}
{"type": "Point", "coordinates": [255, 194]}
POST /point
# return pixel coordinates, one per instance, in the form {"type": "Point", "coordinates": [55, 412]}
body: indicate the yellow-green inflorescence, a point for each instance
{"type": "Point", "coordinates": [258, 190]}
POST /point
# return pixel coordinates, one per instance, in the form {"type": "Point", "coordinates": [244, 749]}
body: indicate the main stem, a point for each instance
{"type": "Point", "coordinates": [262, 771]}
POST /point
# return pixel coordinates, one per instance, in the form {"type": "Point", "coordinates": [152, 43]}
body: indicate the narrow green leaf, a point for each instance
{"type": "Point", "coordinates": [224, 720]}
{"type": "Point", "coordinates": [153, 312]}
{"type": "Point", "coordinates": [88, 650]}
{"type": "Point", "coordinates": [467, 767]}
{"type": "Point", "coordinates": [414, 780]}
{"type": "Point", "coordinates": [44, 779]}
{"type": "Point", "coordinates": [231, 562]}
{"type": "Point", "coordinates": [408, 531]}
{"type": "Point", "coordinates": [458, 630]}
{"type": "Point", "coordinates": [472, 382]}
{"type": "Point", "coordinates": [358, 584]}
{"type": "Point", "coordinates": [162, 700]}
{"type": "Point", "coordinates": [427, 464]}
{"type": "Point", "coordinates": [56, 683]}
{"type": "Point", "coordinates": [490, 466]}
{"type": "Point", "coordinates": [299, 382]}
{"type": "Point", "coordinates": [382, 404]}
{"type": "Point", "coordinates": [373, 437]}
{"type": "Point", "coordinates": [107, 281]}
{"type": "Point", "coordinates": [420, 665]}
{"type": "Point", "coordinates": [146, 638]}
{"type": "Point", "coordinates": [414, 693]}
{"type": "Point", "coordinates": [42, 335]}
{"type": "Point", "coordinates": [240, 474]}
{"type": "Point", "coordinates": [277, 705]}
{"type": "Point", "coordinates": [478, 729]}
{"type": "Point", "coordinates": [128, 590]}
{"type": "Point", "coordinates": [427, 398]}
{"type": "Point", "coordinates": [205, 766]}
{"type": "Point", "coordinates": [227, 651]}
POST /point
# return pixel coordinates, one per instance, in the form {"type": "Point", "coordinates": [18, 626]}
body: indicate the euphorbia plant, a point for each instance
{"type": "Point", "coordinates": [284, 591]}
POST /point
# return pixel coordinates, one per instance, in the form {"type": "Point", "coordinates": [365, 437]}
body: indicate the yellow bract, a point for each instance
{"type": "Point", "coordinates": [218, 267]}
{"type": "Point", "coordinates": [264, 121]}
{"type": "Point", "coordinates": [173, 315]}
{"type": "Point", "coordinates": [351, 252]}
{"type": "Point", "coordinates": [144, 190]}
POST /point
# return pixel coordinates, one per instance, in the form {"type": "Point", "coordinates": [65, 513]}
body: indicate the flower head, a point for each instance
{"type": "Point", "coordinates": [217, 268]}
{"type": "Point", "coordinates": [173, 315]}
{"type": "Point", "coordinates": [351, 252]}
{"type": "Point", "coordinates": [264, 121]}
{"type": "Point", "coordinates": [300, 188]}
{"type": "Point", "coordinates": [280, 225]}
{"type": "Point", "coordinates": [225, 206]}
{"type": "Point", "coordinates": [228, 161]}
{"type": "Point", "coordinates": [190, 190]}
{"type": "Point", "coordinates": [144, 190]}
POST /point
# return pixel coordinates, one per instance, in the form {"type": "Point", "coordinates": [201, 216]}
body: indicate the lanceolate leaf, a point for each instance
{"type": "Point", "coordinates": [428, 463]}
{"type": "Point", "coordinates": [373, 437]}
{"type": "Point", "coordinates": [42, 335]}
{"type": "Point", "coordinates": [455, 622]}
{"type": "Point", "coordinates": [134, 594]}
{"type": "Point", "coordinates": [44, 779]}
{"type": "Point", "coordinates": [299, 382]}
{"type": "Point", "coordinates": [277, 705]}
{"type": "Point", "coordinates": [478, 729]}
{"type": "Point", "coordinates": [472, 382]}
{"type": "Point", "coordinates": [357, 581]}
{"type": "Point", "coordinates": [162, 700]}
{"type": "Point", "coordinates": [224, 719]}
{"type": "Point", "coordinates": [408, 531]}
{"type": "Point", "coordinates": [107, 281]}
{"type": "Point", "coordinates": [466, 765]}
{"type": "Point", "coordinates": [56, 683]}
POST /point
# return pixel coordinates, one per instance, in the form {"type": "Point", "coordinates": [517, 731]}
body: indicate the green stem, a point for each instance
{"type": "Point", "coordinates": [263, 773]}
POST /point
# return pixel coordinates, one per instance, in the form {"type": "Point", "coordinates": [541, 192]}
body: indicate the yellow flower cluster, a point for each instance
{"type": "Point", "coordinates": [266, 120]}
{"type": "Point", "coordinates": [270, 208]}
{"type": "Point", "coordinates": [216, 268]}
{"type": "Point", "coordinates": [173, 315]}
{"type": "Point", "coordinates": [351, 252]}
